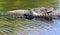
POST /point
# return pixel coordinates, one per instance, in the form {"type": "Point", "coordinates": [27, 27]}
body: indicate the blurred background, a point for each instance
{"type": "Point", "coordinates": [25, 4]}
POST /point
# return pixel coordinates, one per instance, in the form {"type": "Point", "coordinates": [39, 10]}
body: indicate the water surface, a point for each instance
{"type": "Point", "coordinates": [21, 26]}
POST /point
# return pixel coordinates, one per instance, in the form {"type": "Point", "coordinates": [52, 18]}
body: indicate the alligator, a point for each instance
{"type": "Point", "coordinates": [46, 12]}
{"type": "Point", "coordinates": [34, 13]}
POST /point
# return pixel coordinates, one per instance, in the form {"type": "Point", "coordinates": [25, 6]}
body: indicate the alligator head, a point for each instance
{"type": "Point", "coordinates": [41, 11]}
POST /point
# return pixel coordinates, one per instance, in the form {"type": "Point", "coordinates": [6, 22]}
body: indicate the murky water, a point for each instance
{"type": "Point", "coordinates": [34, 27]}
{"type": "Point", "coordinates": [30, 27]}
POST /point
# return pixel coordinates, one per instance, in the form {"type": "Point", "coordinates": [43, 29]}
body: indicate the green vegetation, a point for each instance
{"type": "Point", "coordinates": [25, 4]}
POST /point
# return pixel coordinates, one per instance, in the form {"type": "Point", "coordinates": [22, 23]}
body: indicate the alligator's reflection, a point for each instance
{"type": "Point", "coordinates": [43, 19]}
{"type": "Point", "coordinates": [47, 20]}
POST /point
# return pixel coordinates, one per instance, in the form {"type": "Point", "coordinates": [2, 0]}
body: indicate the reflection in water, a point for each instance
{"type": "Point", "coordinates": [47, 20]}
{"type": "Point", "coordinates": [29, 27]}
{"type": "Point", "coordinates": [21, 26]}
{"type": "Point", "coordinates": [40, 28]}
